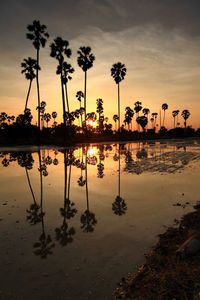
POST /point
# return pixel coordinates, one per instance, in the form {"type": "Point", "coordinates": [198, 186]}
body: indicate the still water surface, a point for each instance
{"type": "Point", "coordinates": [74, 221]}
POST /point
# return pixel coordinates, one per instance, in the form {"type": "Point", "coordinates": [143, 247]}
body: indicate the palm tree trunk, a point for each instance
{"type": "Point", "coordinates": [86, 181]}
{"type": "Point", "coordinates": [119, 106]}
{"type": "Point", "coordinates": [63, 100]}
{"type": "Point", "coordinates": [69, 180]}
{"type": "Point", "coordinates": [119, 190]}
{"type": "Point", "coordinates": [164, 118]}
{"type": "Point", "coordinates": [66, 95]}
{"type": "Point", "coordinates": [65, 180]}
{"type": "Point", "coordinates": [29, 89]}
{"type": "Point", "coordinates": [41, 182]}
{"type": "Point", "coordinates": [38, 89]}
{"type": "Point", "coordinates": [29, 183]}
{"type": "Point", "coordinates": [85, 93]}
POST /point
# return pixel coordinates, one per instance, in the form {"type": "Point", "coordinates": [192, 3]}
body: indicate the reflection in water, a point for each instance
{"type": "Point", "coordinates": [136, 158]}
{"type": "Point", "coordinates": [44, 245]}
{"type": "Point", "coordinates": [65, 233]}
{"type": "Point", "coordinates": [88, 219]}
{"type": "Point", "coordinates": [68, 190]}
{"type": "Point", "coordinates": [119, 206]}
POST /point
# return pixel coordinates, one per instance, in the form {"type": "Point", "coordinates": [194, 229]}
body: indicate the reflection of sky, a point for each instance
{"type": "Point", "coordinates": [115, 240]}
{"type": "Point", "coordinates": [158, 42]}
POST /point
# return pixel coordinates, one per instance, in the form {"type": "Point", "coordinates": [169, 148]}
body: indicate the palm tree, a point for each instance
{"type": "Point", "coordinates": [146, 111]}
{"type": "Point", "coordinates": [185, 114]}
{"type": "Point", "coordinates": [54, 116]}
{"type": "Point", "coordinates": [137, 109]}
{"type": "Point", "coordinates": [59, 48]}
{"type": "Point", "coordinates": [174, 115]}
{"type": "Point", "coordinates": [47, 118]}
{"type": "Point", "coordinates": [115, 118]}
{"type": "Point", "coordinates": [118, 72]}
{"type": "Point", "coordinates": [142, 121]}
{"type": "Point", "coordinates": [154, 116]}
{"type": "Point", "coordinates": [99, 110]}
{"type": "Point", "coordinates": [66, 71]}
{"type": "Point", "coordinates": [85, 61]}
{"type": "Point", "coordinates": [129, 113]}
{"type": "Point", "coordinates": [164, 107]}
{"type": "Point", "coordinates": [29, 66]}
{"type": "Point", "coordinates": [79, 96]}
{"type": "Point", "coordinates": [37, 34]}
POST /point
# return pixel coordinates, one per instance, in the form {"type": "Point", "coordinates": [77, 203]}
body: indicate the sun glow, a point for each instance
{"type": "Point", "coordinates": [91, 123]}
{"type": "Point", "coordinates": [92, 151]}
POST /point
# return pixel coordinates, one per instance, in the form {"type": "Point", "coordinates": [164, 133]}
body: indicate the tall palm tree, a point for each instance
{"type": "Point", "coordinates": [185, 114]}
{"type": "Point", "coordinates": [37, 34]}
{"type": "Point", "coordinates": [137, 108]}
{"type": "Point", "coordinates": [146, 111]}
{"type": "Point", "coordinates": [164, 107]}
{"type": "Point", "coordinates": [115, 118]}
{"type": "Point", "coordinates": [118, 72]}
{"type": "Point", "coordinates": [29, 66]}
{"type": "Point", "coordinates": [129, 113]}
{"type": "Point", "coordinates": [85, 61]}
{"type": "Point", "coordinates": [174, 115]}
{"type": "Point", "coordinates": [79, 96]}
{"type": "Point", "coordinates": [99, 110]}
{"type": "Point", "coordinates": [59, 48]}
{"type": "Point", "coordinates": [66, 71]}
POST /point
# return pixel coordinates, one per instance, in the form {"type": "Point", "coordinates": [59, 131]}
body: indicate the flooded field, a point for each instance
{"type": "Point", "coordinates": [74, 221]}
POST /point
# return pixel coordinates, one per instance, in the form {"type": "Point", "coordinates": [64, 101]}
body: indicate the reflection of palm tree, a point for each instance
{"type": "Point", "coordinates": [119, 206]}
{"type": "Point", "coordinates": [88, 218]}
{"type": "Point", "coordinates": [64, 233]}
{"type": "Point", "coordinates": [44, 245]}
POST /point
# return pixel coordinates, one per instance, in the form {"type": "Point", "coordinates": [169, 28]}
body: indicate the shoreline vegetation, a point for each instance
{"type": "Point", "coordinates": [172, 268]}
{"type": "Point", "coordinates": [27, 135]}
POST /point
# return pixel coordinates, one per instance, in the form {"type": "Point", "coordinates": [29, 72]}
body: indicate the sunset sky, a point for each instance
{"type": "Point", "coordinates": [157, 40]}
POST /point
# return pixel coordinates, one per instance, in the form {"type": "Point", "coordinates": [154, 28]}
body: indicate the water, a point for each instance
{"type": "Point", "coordinates": [118, 199]}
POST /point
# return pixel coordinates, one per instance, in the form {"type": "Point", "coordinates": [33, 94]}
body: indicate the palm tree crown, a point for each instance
{"type": "Point", "coordinates": [118, 72]}
{"type": "Point", "coordinates": [38, 34]}
{"type": "Point", "coordinates": [29, 66]}
{"type": "Point", "coordinates": [59, 48]}
{"type": "Point", "coordinates": [85, 58]}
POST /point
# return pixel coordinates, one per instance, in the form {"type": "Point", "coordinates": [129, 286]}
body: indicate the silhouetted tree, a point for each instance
{"type": "Point", "coordinates": [59, 48]}
{"type": "Point", "coordinates": [146, 111]}
{"type": "Point", "coordinates": [142, 121]}
{"type": "Point", "coordinates": [185, 114]}
{"type": "Point", "coordinates": [118, 72]}
{"type": "Point", "coordinates": [129, 113]}
{"type": "Point", "coordinates": [164, 107]}
{"type": "Point", "coordinates": [79, 96]}
{"type": "Point", "coordinates": [85, 61]}
{"type": "Point", "coordinates": [29, 66]}
{"type": "Point", "coordinates": [47, 118]}
{"type": "Point", "coordinates": [174, 115]}
{"type": "Point", "coordinates": [37, 34]}
{"type": "Point", "coordinates": [66, 72]}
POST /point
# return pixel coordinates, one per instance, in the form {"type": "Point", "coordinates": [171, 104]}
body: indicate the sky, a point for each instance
{"type": "Point", "coordinates": [157, 40]}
